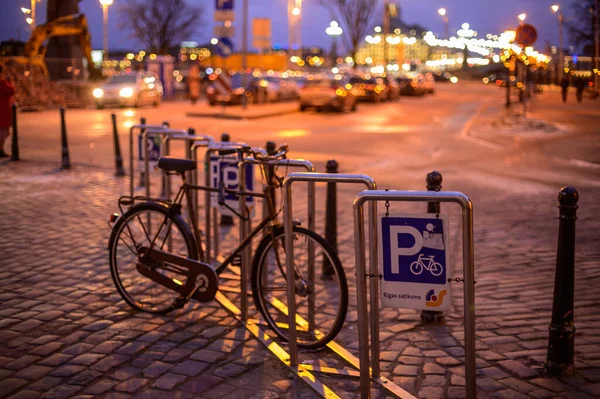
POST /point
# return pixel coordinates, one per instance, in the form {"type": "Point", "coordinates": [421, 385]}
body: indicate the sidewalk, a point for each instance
{"type": "Point", "coordinates": [65, 332]}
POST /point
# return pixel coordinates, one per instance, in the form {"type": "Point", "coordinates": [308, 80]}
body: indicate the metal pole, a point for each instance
{"type": "Point", "coordinates": [330, 218]}
{"type": "Point", "coordinates": [271, 148]}
{"type": "Point", "coordinates": [207, 205]}
{"type": "Point", "coordinates": [597, 44]}
{"type": "Point", "coordinates": [361, 301]}
{"type": "Point", "coordinates": [245, 51]}
{"type": "Point", "coordinates": [142, 177]}
{"type": "Point", "coordinates": [386, 32]}
{"type": "Point", "coordinates": [118, 159]}
{"type": "Point", "coordinates": [434, 183]}
{"type": "Point", "coordinates": [105, 33]}
{"type": "Point", "coordinates": [561, 58]}
{"type": "Point", "coordinates": [245, 261]}
{"type": "Point", "coordinates": [66, 162]}
{"type": "Point", "coordinates": [562, 328]}
{"type": "Point", "coordinates": [15, 135]}
{"type": "Point", "coordinates": [507, 104]}
{"type": "Point", "coordinates": [446, 27]}
{"type": "Point", "coordinates": [33, 14]}
{"type": "Point", "coordinates": [226, 220]}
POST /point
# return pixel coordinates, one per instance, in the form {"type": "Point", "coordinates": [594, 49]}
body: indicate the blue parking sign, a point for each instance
{"type": "Point", "coordinates": [227, 166]}
{"type": "Point", "coordinates": [223, 5]}
{"type": "Point", "coordinates": [413, 257]}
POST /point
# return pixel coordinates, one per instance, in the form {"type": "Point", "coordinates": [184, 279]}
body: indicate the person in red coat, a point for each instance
{"type": "Point", "coordinates": [7, 92]}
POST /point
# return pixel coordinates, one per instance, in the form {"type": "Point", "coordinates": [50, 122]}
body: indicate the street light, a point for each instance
{"type": "Point", "coordinates": [294, 28]}
{"type": "Point", "coordinates": [105, 4]}
{"type": "Point", "coordinates": [334, 31]}
{"type": "Point", "coordinates": [555, 8]}
{"type": "Point", "coordinates": [522, 17]}
{"type": "Point", "coordinates": [444, 14]}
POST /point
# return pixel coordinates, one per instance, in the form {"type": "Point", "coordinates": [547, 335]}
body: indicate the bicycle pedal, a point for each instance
{"type": "Point", "coordinates": [179, 302]}
{"type": "Point", "coordinates": [237, 260]}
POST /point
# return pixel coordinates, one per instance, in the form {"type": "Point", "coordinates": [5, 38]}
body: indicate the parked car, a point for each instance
{"type": "Point", "coordinates": [393, 88]}
{"type": "Point", "coordinates": [285, 88]}
{"type": "Point", "coordinates": [131, 89]}
{"type": "Point", "coordinates": [371, 89]}
{"type": "Point", "coordinates": [327, 93]}
{"type": "Point", "coordinates": [428, 82]}
{"type": "Point", "coordinates": [411, 85]}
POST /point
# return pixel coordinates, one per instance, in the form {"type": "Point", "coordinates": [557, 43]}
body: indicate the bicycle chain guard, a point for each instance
{"type": "Point", "coordinates": [201, 275]}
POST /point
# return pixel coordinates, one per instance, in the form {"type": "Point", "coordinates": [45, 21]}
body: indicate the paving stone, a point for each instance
{"type": "Point", "coordinates": [593, 389]}
{"type": "Point", "coordinates": [11, 384]}
{"type": "Point", "coordinates": [126, 372]}
{"type": "Point", "coordinates": [190, 368]}
{"type": "Point", "coordinates": [488, 384]}
{"type": "Point", "coordinates": [432, 368]}
{"type": "Point", "coordinates": [45, 384]}
{"type": "Point", "coordinates": [66, 370]}
{"type": "Point", "coordinates": [169, 381]}
{"type": "Point", "coordinates": [98, 325]}
{"type": "Point", "coordinates": [33, 372]}
{"type": "Point", "coordinates": [77, 349]}
{"type": "Point", "coordinates": [207, 356]}
{"type": "Point", "coordinates": [86, 359]}
{"type": "Point", "coordinates": [434, 381]}
{"type": "Point", "coordinates": [50, 315]}
{"type": "Point", "coordinates": [509, 394]}
{"type": "Point", "coordinates": [541, 393]}
{"type": "Point", "coordinates": [26, 394]}
{"type": "Point", "coordinates": [457, 380]}
{"type": "Point", "coordinates": [47, 349]}
{"type": "Point", "coordinates": [44, 339]}
{"type": "Point", "coordinates": [406, 370]}
{"type": "Point", "coordinates": [132, 385]}
{"type": "Point", "coordinates": [201, 384]}
{"type": "Point", "coordinates": [447, 361]}
{"type": "Point", "coordinates": [107, 347]}
{"type": "Point", "coordinates": [156, 369]}
{"type": "Point", "coordinates": [493, 372]}
{"type": "Point", "coordinates": [22, 362]}
{"type": "Point", "coordinates": [109, 362]}
{"type": "Point", "coordinates": [431, 393]}
{"type": "Point", "coordinates": [518, 369]}
{"type": "Point", "coordinates": [56, 359]}
{"type": "Point", "coordinates": [100, 387]}
{"type": "Point", "coordinates": [132, 347]}
{"type": "Point", "coordinates": [26, 325]}
{"type": "Point", "coordinates": [84, 378]}
{"type": "Point", "coordinates": [229, 371]}
{"type": "Point", "coordinates": [61, 392]}
{"type": "Point", "coordinates": [177, 354]}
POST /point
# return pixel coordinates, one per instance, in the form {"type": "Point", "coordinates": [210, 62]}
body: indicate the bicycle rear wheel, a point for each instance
{"type": "Point", "coordinates": [323, 296]}
{"type": "Point", "coordinates": [149, 225]}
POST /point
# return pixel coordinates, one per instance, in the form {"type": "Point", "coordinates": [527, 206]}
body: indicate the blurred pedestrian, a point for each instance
{"type": "Point", "coordinates": [564, 84]}
{"type": "Point", "coordinates": [580, 85]}
{"type": "Point", "coordinates": [7, 92]}
{"type": "Point", "coordinates": [193, 82]}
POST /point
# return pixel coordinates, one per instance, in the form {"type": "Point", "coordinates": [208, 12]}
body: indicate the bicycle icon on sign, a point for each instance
{"type": "Point", "coordinates": [427, 263]}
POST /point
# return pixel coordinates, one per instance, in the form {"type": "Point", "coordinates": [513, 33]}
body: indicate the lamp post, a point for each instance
{"type": "Point", "coordinates": [294, 29]}
{"type": "Point", "coordinates": [561, 55]}
{"type": "Point", "coordinates": [105, 4]}
{"type": "Point", "coordinates": [444, 14]}
{"type": "Point", "coordinates": [334, 31]}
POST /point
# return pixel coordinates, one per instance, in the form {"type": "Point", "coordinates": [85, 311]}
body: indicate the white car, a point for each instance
{"type": "Point", "coordinates": [131, 89]}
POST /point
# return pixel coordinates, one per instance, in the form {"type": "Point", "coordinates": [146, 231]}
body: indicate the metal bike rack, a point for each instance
{"type": "Point", "coordinates": [245, 225]}
{"type": "Point", "coordinates": [142, 128]}
{"type": "Point", "coordinates": [363, 317]}
{"type": "Point", "coordinates": [289, 250]}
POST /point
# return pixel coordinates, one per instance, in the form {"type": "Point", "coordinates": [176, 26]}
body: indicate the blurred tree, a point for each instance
{"type": "Point", "coordinates": [159, 24]}
{"type": "Point", "coordinates": [581, 28]}
{"type": "Point", "coordinates": [355, 17]}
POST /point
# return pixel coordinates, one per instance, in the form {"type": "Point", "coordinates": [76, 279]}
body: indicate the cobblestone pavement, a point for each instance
{"type": "Point", "coordinates": [65, 332]}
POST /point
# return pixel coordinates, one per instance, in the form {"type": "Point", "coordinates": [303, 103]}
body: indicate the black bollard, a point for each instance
{"type": "Point", "coordinates": [66, 162]}
{"type": "Point", "coordinates": [330, 217]}
{"type": "Point", "coordinates": [118, 159]}
{"type": "Point", "coordinates": [15, 135]}
{"type": "Point", "coordinates": [561, 343]}
{"type": "Point", "coordinates": [226, 220]}
{"type": "Point", "coordinates": [141, 153]}
{"type": "Point", "coordinates": [434, 183]}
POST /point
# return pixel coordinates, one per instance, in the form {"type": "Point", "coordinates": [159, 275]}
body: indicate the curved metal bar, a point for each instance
{"type": "Point", "coordinates": [131, 129]}
{"type": "Point", "coordinates": [289, 249]}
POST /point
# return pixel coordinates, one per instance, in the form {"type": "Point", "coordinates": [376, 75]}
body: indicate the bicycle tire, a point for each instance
{"type": "Point", "coordinates": [330, 311]}
{"type": "Point", "coordinates": [130, 283]}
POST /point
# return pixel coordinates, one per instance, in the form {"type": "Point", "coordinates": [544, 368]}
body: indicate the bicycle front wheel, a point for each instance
{"type": "Point", "coordinates": [321, 298]}
{"type": "Point", "coordinates": [149, 225]}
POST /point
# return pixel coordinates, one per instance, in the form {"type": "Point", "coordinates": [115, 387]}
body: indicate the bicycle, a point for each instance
{"type": "Point", "coordinates": [432, 266]}
{"type": "Point", "coordinates": [158, 264]}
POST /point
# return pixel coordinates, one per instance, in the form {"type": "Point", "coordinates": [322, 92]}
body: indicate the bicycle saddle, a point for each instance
{"type": "Point", "coordinates": [170, 164]}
